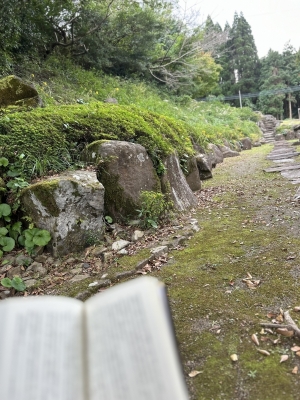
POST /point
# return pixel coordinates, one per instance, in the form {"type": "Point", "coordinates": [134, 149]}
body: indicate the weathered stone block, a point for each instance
{"type": "Point", "coordinates": [246, 143]}
{"type": "Point", "coordinates": [193, 177]}
{"type": "Point", "coordinates": [70, 206]}
{"type": "Point", "coordinates": [125, 170]}
{"type": "Point", "coordinates": [216, 155]}
{"type": "Point", "coordinates": [174, 182]}
{"type": "Point", "coordinates": [204, 166]}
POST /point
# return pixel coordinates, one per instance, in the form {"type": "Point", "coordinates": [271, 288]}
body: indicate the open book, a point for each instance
{"type": "Point", "coordinates": [118, 345]}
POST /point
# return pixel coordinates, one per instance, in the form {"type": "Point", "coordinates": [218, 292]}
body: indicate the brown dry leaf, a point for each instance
{"type": "Point", "coordinates": [234, 357]}
{"type": "Point", "coordinates": [264, 352]}
{"type": "Point", "coordinates": [284, 358]}
{"type": "Point", "coordinates": [298, 353]}
{"type": "Point", "coordinates": [295, 370]}
{"type": "Point", "coordinates": [285, 332]}
{"type": "Point", "coordinates": [271, 315]}
{"type": "Point", "coordinates": [279, 318]}
{"type": "Point", "coordinates": [254, 339]}
{"type": "Point", "coordinates": [295, 348]}
{"type": "Point", "coordinates": [194, 373]}
{"type": "Point", "coordinates": [297, 308]}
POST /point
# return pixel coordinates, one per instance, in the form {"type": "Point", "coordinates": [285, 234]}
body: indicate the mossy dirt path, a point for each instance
{"type": "Point", "coordinates": [251, 226]}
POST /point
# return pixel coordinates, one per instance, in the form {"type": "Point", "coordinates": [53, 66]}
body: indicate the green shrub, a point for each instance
{"type": "Point", "coordinates": [154, 207]}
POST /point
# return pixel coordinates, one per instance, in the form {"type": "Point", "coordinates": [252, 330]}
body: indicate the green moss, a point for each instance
{"type": "Point", "coordinates": [44, 193]}
{"type": "Point", "coordinates": [54, 130]}
{"type": "Point", "coordinates": [239, 234]}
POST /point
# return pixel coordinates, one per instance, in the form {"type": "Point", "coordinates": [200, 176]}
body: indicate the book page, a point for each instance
{"type": "Point", "coordinates": [131, 348]}
{"type": "Point", "coordinates": [41, 348]}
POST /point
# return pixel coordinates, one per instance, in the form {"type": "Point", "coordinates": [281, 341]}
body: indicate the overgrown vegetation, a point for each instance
{"type": "Point", "coordinates": [59, 133]}
{"type": "Point", "coordinates": [12, 233]}
{"type": "Point", "coordinates": [154, 208]}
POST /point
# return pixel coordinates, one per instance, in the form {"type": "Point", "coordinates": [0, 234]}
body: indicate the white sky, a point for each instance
{"type": "Point", "coordinates": [273, 22]}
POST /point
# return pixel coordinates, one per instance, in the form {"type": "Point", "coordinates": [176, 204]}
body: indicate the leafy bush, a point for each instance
{"type": "Point", "coordinates": [154, 207]}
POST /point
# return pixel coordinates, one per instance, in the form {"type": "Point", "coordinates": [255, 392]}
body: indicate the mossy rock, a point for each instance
{"type": "Point", "coordinates": [15, 92]}
{"type": "Point", "coordinates": [125, 170]}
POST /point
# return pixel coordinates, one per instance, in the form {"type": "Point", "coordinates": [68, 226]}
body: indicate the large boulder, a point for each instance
{"type": "Point", "coordinates": [125, 170]}
{"type": "Point", "coordinates": [204, 165]}
{"type": "Point", "coordinates": [15, 92]}
{"type": "Point", "coordinates": [174, 182]}
{"type": "Point", "coordinates": [227, 152]}
{"type": "Point", "coordinates": [246, 143]}
{"type": "Point", "coordinates": [193, 177]}
{"type": "Point", "coordinates": [215, 154]}
{"type": "Point", "coordinates": [69, 206]}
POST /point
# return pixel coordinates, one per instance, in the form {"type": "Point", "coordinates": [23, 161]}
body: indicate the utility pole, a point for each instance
{"type": "Point", "coordinates": [241, 105]}
{"type": "Point", "coordinates": [290, 106]}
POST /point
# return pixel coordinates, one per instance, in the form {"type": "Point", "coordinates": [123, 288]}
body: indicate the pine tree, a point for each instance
{"type": "Point", "coordinates": [239, 60]}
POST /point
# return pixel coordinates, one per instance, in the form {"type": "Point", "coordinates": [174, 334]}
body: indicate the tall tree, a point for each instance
{"type": "Point", "coordinates": [239, 60]}
{"type": "Point", "coordinates": [272, 80]}
{"type": "Point", "coordinates": [279, 71]}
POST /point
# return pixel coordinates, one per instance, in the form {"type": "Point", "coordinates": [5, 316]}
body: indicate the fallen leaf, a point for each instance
{"type": "Point", "coordinates": [295, 370]}
{"type": "Point", "coordinates": [284, 358]}
{"type": "Point", "coordinates": [234, 357]}
{"type": "Point", "coordinates": [264, 352]}
{"type": "Point", "coordinates": [271, 315]}
{"type": "Point", "coordinates": [194, 373]}
{"type": "Point", "coordinates": [285, 332]}
{"type": "Point", "coordinates": [297, 308]}
{"type": "Point", "coordinates": [254, 339]}
{"type": "Point", "coordinates": [295, 348]}
{"type": "Point", "coordinates": [279, 318]}
{"type": "Point", "coordinates": [298, 353]}
{"type": "Point", "coordinates": [249, 275]}
{"type": "Point", "coordinates": [276, 341]}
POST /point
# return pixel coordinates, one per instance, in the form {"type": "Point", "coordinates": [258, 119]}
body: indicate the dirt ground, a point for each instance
{"type": "Point", "coordinates": [241, 269]}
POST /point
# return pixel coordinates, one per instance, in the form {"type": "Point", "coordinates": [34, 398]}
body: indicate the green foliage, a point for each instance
{"type": "Point", "coordinates": [239, 59]}
{"type": "Point", "coordinates": [108, 219]}
{"type": "Point", "coordinates": [12, 233]}
{"type": "Point", "coordinates": [16, 282]}
{"type": "Point", "coordinates": [34, 237]}
{"type": "Point", "coordinates": [59, 128]}
{"type": "Point", "coordinates": [154, 207]}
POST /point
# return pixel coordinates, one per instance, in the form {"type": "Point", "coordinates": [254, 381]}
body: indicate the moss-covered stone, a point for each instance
{"type": "Point", "coordinates": [15, 92]}
{"type": "Point", "coordinates": [52, 133]}
{"type": "Point", "coordinates": [69, 206]}
{"type": "Point", "coordinates": [44, 192]}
